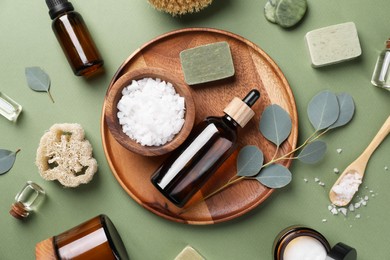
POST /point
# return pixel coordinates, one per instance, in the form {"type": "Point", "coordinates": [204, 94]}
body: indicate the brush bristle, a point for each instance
{"type": "Point", "coordinates": [179, 7]}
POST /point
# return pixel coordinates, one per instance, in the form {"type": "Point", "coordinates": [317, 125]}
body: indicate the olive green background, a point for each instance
{"type": "Point", "coordinates": [120, 27]}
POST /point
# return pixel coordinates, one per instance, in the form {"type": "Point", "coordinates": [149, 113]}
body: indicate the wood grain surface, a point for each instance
{"type": "Point", "coordinates": [253, 69]}
{"type": "Point", "coordinates": [44, 250]}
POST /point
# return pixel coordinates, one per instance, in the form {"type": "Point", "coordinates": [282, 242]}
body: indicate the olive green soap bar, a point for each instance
{"type": "Point", "coordinates": [207, 63]}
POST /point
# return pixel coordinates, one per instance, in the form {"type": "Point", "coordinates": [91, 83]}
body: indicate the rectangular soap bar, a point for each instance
{"type": "Point", "coordinates": [207, 63]}
{"type": "Point", "coordinates": [189, 253]}
{"type": "Point", "coordinates": [333, 44]}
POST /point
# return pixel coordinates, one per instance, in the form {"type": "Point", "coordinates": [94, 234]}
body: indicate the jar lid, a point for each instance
{"type": "Point", "coordinates": [342, 251]}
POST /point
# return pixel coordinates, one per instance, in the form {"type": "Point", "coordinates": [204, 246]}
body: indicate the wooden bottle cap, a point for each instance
{"type": "Point", "coordinates": [44, 250]}
{"type": "Point", "coordinates": [239, 111]}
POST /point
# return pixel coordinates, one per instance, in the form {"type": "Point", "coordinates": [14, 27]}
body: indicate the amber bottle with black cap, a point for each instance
{"type": "Point", "coordinates": [74, 38]}
{"type": "Point", "coordinates": [211, 142]}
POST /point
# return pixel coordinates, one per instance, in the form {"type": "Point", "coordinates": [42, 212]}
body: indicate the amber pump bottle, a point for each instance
{"type": "Point", "coordinates": [74, 38]}
{"type": "Point", "coordinates": [211, 142]}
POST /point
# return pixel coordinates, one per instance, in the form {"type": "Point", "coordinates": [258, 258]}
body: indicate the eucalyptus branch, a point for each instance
{"type": "Point", "coordinates": [229, 183]}
{"type": "Point", "coordinates": [326, 111]}
{"type": "Point", "coordinates": [276, 152]}
{"type": "Point", "coordinates": [236, 179]}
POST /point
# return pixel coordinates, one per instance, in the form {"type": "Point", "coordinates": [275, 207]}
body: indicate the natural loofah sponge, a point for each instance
{"type": "Point", "coordinates": [179, 7]}
{"type": "Point", "coordinates": [65, 155]}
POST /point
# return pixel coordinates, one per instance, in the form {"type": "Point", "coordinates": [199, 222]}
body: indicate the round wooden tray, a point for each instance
{"type": "Point", "coordinates": [253, 69]}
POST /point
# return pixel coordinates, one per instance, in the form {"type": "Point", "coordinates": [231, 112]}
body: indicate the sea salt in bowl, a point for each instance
{"type": "Point", "coordinates": [143, 111]}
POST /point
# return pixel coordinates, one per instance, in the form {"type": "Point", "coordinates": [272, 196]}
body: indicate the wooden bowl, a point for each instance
{"type": "Point", "coordinates": [114, 94]}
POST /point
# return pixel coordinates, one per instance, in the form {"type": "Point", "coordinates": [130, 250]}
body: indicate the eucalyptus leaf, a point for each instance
{"type": "Point", "coordinates": [275, 124]}
{"type": "Point", "coordinates": [274, 176]}
{"type": "Point", "coordinates": [313, 152]}
{"type": "Point", "coordinates": [249, 161]}
{"type": "Point", "coordinates": [38, 80]}
{"type": "Point", "coordinates": [7, 160]}
{"type": "Point", "coordinates": [323, 110]}
{"type": "Point", "coordinates": [347, 110]}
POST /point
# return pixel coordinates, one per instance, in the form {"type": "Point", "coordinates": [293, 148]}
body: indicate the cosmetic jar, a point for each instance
{"type": "Point", "coordinates": [300, 242]}
{"type": "Point", "coordinates": [96, 238]}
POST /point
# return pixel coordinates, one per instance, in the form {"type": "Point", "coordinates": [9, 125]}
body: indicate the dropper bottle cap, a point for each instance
{"type": "Point", "coordinates": [58, 6]}
{"type": "Point", "coordinates": [240, 110]}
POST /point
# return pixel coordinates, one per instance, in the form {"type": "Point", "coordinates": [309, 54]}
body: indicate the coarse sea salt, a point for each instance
{"type": "Point", "coordinates": [151, 112]}
{"type": "Point", "coordinates": [347, 187]}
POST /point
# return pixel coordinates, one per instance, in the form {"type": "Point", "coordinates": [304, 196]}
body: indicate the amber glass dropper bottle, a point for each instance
{"type": "Point", "coordinates": [211, 142]}
{"type": "Point", "coordinates": [74, 38]}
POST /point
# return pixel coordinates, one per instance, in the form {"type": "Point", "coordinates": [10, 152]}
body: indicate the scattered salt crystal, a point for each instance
{"type": "Point", "coordinates": [324, 220]}
{"type": "Point", "coordinates": [335, 170]}
{"type": "Point", "coordinates": [386, 168]}
{"type": "Point", "coordinates": [351, 207]}
{"type": "Point", "coordinates": [321, 184]}
{"type": "Point", "coordinates": [343, 211]}
{"type": "Point", "coordinates": [357, 216]}
{"type": "Point", "coordinates": [372, 195]}
{"type": "Point", "coordinates": [364, 203]}
{"type": "Point", "coordinates": [339, 150]}
{"type": "Point", "coordinates": [150, 111]}
{"type": "Point", "coordinates": [357, 205]}
{"type": "Point", "coordinates": [334, 211]}
{"type": "Point", "coordinates": [316, 179]}
{"type": "Point", "coordinates": [366, 197]}
{"type": "Point", "coordinates": [347, 187]}
{"type": "Point", "coordinates": [330, 207]}
{"type": "Point", "coordinates": [305, 180]}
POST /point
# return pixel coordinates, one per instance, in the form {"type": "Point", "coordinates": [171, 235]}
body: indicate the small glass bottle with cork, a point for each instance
{"type": "Point", "coordinates": [27, 200]}
{"type": "Point", "coordinates": [9, 108]}
{"type": "Point", "coordinates": [381, 75]}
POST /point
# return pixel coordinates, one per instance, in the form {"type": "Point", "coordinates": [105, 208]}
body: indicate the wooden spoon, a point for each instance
{"type": "Point", "coordinates": [357, 168]}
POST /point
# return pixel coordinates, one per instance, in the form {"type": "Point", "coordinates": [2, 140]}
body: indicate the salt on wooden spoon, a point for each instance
{"type": "Point", "coordinates": [348, 183]}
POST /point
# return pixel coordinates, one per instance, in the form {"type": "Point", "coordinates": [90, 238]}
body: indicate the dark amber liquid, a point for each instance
{"type": "Point", "coordinates": [77, 44]}
{"type": "Point", "coordinates": [193, 163]}
{"type": "Point", "coordinates": [94, 239]}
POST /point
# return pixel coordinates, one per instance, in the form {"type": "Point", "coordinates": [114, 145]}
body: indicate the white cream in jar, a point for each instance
{"type": "Point", "coordinates": [304, 248]}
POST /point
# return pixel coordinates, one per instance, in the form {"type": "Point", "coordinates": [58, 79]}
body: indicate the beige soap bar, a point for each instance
{"type": "Point", "coordinates": [333, 44]}
{"type": "Point", "coordinates": [189, 253]}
